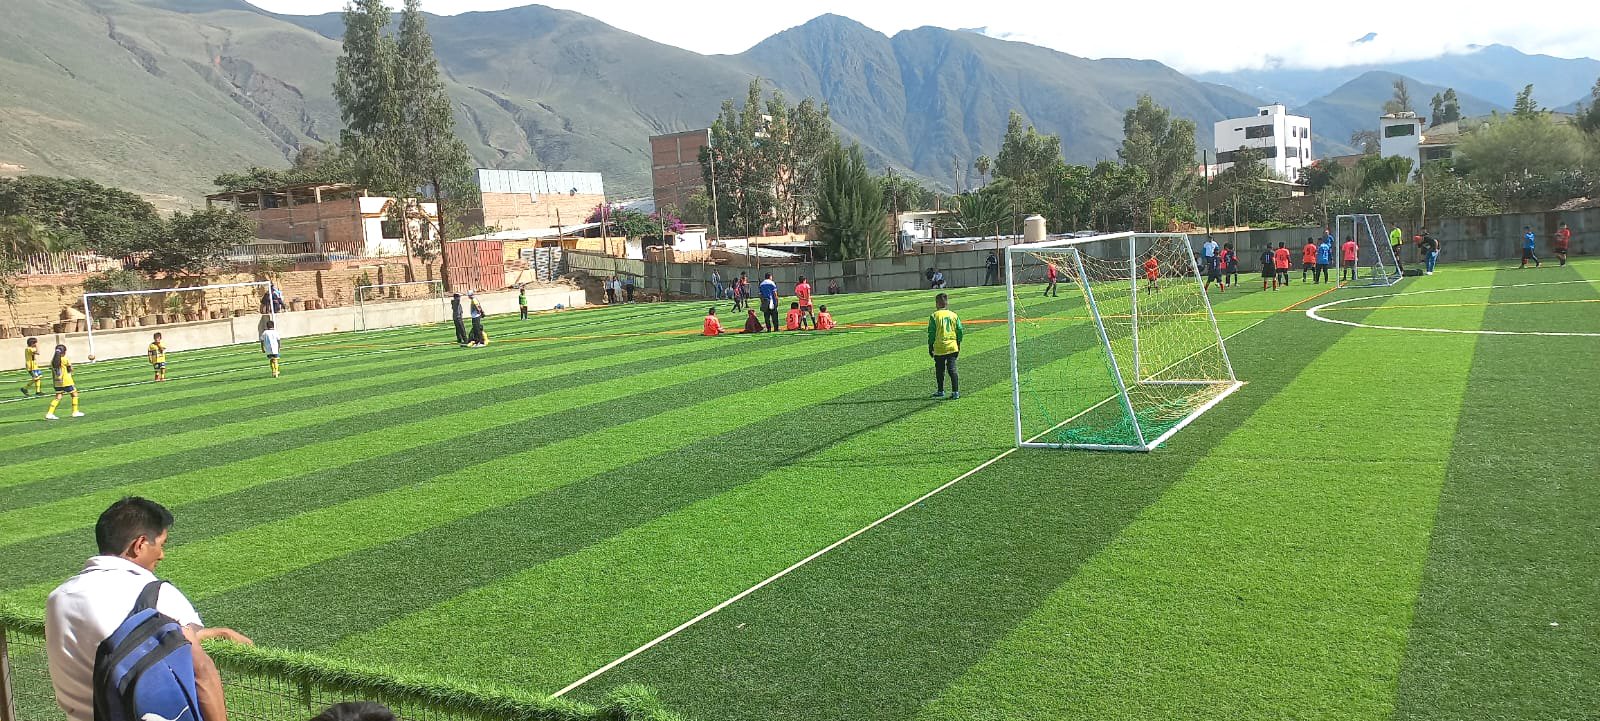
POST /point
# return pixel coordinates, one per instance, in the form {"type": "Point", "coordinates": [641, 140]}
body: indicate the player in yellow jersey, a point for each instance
{"type": "Point", "coordinates": [944, 344]}
{"type": "Point", "coordinates": [61, 373]}
{"type": "Point", "coordinates": [30, 363]}
{"type": "Point", "coordinates": [158, 357]}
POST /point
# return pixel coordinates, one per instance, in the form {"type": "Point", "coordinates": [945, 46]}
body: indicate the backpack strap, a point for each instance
{"type": "Point", "coordinates": [147, 596]}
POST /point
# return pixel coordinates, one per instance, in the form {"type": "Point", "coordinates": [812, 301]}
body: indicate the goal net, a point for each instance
{"type": "Point", "coordinates": [393, 305]}
{"type": "Point", "coordinates": [1121, 351]}
{"type": "Point", "coordinates": [154, 308]}
{"type": "Point", "coordinates": [1375, 262]}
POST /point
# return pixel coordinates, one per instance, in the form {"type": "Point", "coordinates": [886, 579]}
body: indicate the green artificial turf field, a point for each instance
{"type": "Point", "coordinates": [1382, 524]}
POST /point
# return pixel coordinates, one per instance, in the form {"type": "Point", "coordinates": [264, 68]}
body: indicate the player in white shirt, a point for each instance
{"type": "Point", "coordinates": [85, 609]}
{"type": "Point", "coordinates": [269, 346]}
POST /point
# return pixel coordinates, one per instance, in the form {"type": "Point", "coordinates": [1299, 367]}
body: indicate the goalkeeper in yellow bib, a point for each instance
{"type": "Point", "coordinates": [944, 344]}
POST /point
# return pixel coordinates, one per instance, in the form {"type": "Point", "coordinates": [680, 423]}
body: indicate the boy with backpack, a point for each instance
{"type": "Point", "coordinates": [98, 625]}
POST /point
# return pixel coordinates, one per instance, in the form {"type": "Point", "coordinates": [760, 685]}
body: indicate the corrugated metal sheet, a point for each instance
{"type": "Point", "coordinates": [539, 182]}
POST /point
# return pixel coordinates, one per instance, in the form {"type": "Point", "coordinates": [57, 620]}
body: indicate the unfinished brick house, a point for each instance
{"type": "Point", "coordinates": [331, 218]}
{"type": "Point", "coordinates": [536, 199]}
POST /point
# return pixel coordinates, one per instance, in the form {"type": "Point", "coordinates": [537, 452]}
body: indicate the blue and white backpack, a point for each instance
{"type": "Point", "coordinates": [145, 670]}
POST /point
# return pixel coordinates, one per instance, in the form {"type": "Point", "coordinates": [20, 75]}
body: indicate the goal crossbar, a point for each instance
{"type": "Point", "coordinates": [88, 313]}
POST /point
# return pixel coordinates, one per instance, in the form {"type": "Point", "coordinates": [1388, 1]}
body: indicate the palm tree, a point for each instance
{"type": "Point", "coordinates": [20, 237]}
{"type": "Point", "coordinates": [982, 165]}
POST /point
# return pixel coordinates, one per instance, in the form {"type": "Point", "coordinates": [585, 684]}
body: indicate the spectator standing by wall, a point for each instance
{"type": "Point", "coordinates": [769, 302]}
{"type": "Point", "coordinates": [991, 270]}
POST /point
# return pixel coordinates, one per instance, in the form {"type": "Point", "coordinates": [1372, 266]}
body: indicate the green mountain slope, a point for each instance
{"type": "Point", "coordinates": [1496, 72]}
{"type": "Point", "coordinates": [1357, 104]}
{"type": "Point", "coordinates": [161, 95]}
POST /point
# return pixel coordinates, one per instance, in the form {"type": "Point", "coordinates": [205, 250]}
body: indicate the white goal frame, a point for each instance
{"type": "Point", "coordinates": [88, 314]}
{"type": "Point", "coordinates": [1355, 223]}
{"type": "Point", "coordinates": [1144, 444]}
{"type": "Point", "coordinates": [360, 322]}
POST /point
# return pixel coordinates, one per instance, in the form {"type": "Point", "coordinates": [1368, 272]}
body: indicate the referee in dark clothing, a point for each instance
{"type": "Point", "coordinates": [455, 313]}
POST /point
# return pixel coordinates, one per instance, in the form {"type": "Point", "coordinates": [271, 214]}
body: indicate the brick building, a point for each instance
{"type": "Point", "coordinates": [675, 166]}
{"type": "Point", "coordinates": [330, 218]}
{"type": "Point", "coordinates": [536, 199]}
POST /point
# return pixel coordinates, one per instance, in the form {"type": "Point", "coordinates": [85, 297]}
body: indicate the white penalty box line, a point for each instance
{"type": "Point", "coordinates": [686, 625]}
{"type": "Point", "coordinates": [1314, 312]}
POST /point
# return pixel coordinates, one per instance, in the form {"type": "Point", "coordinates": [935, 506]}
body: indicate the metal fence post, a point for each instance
{"type": "Point", "coordinates": [8, 696]}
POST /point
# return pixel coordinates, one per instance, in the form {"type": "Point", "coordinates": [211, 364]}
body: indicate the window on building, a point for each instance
{"type": "Point", "coordinates": [1229, 156]}
{"type": "Point", "coordinates": [1258, 131]}
{"type": "Point", "coordinates": [1291, 152]}
{"type": "Point", "coordinates": [1399, 131]}
{"type": "Point", "coordinates": [1438, 153]}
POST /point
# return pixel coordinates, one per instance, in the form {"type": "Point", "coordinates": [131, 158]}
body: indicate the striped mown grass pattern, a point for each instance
{"type": "Point", "coordinates": [1379, 524]}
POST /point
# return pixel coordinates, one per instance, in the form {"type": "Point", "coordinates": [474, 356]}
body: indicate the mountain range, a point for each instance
{"type": "Point", "coordinates": [160, 96]}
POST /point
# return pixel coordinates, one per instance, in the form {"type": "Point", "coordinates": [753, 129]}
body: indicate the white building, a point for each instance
{"type": "Point", "coordinates": [1400, 134]}
{"type": "Point", "coordinates": [1282, 140]}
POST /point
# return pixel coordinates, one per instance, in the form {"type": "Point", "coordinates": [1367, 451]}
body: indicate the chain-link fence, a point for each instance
{"type": "Point", "coordinates": [266, 685]}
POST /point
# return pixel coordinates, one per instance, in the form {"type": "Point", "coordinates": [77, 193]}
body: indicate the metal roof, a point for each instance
{"type": "Point", "coordinates": [539, 182]}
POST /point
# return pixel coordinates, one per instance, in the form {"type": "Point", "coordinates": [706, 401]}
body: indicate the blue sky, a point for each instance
{"type": "Point", "coordinates": [1190, 36]}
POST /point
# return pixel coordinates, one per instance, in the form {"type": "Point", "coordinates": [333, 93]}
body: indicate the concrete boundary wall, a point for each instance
{"type": "Point", "coordinates": [246, 329]}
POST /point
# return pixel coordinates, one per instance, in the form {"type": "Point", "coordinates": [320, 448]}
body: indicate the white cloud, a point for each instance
{"type": "Point", "coordinates": [1189, 36]}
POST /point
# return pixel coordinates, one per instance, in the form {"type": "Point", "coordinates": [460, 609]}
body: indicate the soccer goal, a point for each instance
{"type": "Point", "coordinates": [375, 307]}
{"type": "Point", "coordinates": [165, 306]}
{"type": "Point", "coordinates": [1376, 264]}
{"type": "Point", "coordinates": [1127, 356]}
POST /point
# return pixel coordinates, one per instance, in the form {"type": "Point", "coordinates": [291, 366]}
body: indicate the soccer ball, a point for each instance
{"type": "Point", "coordinates": [91, 357]}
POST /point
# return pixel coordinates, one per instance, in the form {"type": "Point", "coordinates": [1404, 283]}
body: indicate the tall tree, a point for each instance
{"type": "Point", "coordinates": [1450, 108]}
{"type": "Point", "coordinates": [1401, 102]}
{"type": "Point", "coordinates": [1525, 107]}
{"type": "Point", "coordinates": [1588, 116]}
{"type": "Point", "coordinates": [1521, 147]}
{"type": "Point", "coordinates": [983, 164]}
{"type": "Point", "coordinates": [1163, 148]}
{"type": "Point", "coordinates": [903, 193]}
{"type": "Point", "coordinates": [850, 218]}
{"type": "Point", "coordinates": [796, 139]}
{"type": "Point", "coordinates": [199, 241]}
{"type": "Point", "coordinates": [742, 187]}
{"type": "Point", "coordinates": [431, 155]}
{"type": "Point", "coordinates": [762, 162]}
{"type": "Point", "coordinates": [78, 213]}
{"type": "Point", "coordinates": [370, 102]}
{"type": "Point", "coordinates": [1366, 140]}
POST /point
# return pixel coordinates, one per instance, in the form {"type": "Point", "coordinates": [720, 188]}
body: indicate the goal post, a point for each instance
{"type": "Point", "coordinates": [1376, 264]}
{"type": "Point", "coordinates": [174, 293]}
{"type": "Point", "coordinates": [370, 300]}
{"type": "Point", "coordinates": [1127, 357]}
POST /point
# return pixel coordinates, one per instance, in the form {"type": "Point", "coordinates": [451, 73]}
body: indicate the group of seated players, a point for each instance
{"type": "Point", "coordinates": [800, 316]}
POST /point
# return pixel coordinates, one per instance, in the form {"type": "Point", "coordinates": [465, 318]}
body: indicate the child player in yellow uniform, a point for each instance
{"type": "Point", "coordinates": [30, 363]}
{"type": "Point", "coordinates": [61, 373]}
{"type": "Point", "coordinates": [158, 357]}
{"type": "Point", "coordinates": [944, 344]}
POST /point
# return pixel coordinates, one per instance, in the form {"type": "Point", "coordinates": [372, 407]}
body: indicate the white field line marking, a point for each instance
{"type": "Point", "coordinates": [808, 559]}
{"type": "Point", "coordinates": [1314, 315]}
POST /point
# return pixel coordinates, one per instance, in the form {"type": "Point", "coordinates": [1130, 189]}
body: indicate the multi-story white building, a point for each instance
{"type": "Point", "coordinates": [1283, 141]}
